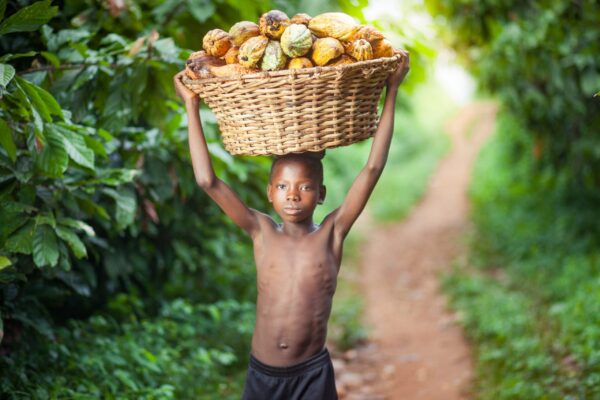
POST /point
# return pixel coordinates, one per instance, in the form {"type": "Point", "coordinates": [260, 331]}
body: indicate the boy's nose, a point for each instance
{"type": "Point", "coordinates": [292, 195]}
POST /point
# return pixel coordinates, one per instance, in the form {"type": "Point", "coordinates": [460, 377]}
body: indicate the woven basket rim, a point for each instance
{"type": "Point", "coordinates": [295, 71]}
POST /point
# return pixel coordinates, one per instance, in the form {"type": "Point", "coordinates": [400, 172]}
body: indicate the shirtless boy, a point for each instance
{"type": "Point", "coordinates": [297, 261]}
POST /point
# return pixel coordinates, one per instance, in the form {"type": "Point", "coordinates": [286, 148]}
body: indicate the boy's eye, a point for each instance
{"type": "Point", "coordinates": [306, 188]}
{"type": "Point", "coordinates": [280, 186]}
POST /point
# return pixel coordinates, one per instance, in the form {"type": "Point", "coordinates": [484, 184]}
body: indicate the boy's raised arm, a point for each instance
{"type": "Point", "coordinates": [205, 175]}
{"type": "Point", "coordinates": [363, 185]}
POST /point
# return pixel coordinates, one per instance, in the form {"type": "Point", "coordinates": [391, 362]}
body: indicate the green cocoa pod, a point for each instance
{"type": "Point", "coordinates": [273, 58]}
{"type": "Point", "coordinates": [252, 50]}
{"type": "Point", "coordinates": [242, 31]}
{"type": "Point", "coordinates": [296, 40]}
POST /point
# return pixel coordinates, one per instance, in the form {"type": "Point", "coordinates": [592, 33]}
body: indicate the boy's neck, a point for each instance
{"type": "Point", "coordinates": [297, 229]}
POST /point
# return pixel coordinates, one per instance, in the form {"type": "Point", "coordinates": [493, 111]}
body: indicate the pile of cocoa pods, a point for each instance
{"type": "Point", "coordinates": [278, 42]}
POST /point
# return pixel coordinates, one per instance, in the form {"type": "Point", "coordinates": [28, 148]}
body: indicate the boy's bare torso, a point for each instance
{"type": "Point", "coordinates": [296, 279]}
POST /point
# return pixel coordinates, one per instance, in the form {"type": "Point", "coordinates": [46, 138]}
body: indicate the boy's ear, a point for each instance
{"type": "Point", "coordinates": [322, 193]}
{"type": "Point", "coordinates": [269, 197]}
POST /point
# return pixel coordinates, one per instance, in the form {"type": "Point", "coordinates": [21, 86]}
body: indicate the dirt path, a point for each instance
{"type": "Point", "coordinates": [416, 351]}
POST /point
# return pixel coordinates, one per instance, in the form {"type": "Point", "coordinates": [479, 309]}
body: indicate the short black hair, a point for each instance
{"type": "Point", "coordinates": [312, 160]}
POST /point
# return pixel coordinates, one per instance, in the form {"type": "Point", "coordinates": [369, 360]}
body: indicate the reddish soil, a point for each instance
{"type": "Point", "coordinates": [415, 349]}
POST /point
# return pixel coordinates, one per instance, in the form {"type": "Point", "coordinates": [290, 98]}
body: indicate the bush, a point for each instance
{"type": "Point", "coordinates": [531, 307]}
{"type": "Point", "coordinates": [544, 74]}
{"type": "Point", "coordinates": [187, 352]}
{"type": "Point", "coordinates": [97, 195]}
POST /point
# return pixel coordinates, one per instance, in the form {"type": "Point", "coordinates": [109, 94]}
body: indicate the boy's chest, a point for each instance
{"type": "Point", "coordinates": [310, 256]}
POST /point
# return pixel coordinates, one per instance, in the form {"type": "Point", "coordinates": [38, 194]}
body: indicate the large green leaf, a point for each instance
{"type": "Point", "coordinates": [6, 140]}
{"type": "Point", "coordinates": [72, 240]}
{"type": "Point", "coordinates": [75, 146]}
{"type": "Point", "coordinates": [49, 101]}
{"type": "Point", "coordinates": [54, 159]}
{"type": "Point", "coordinates": [20, 242]}
{"type": "Point", "coordinates": [35, 98]}
{"type": "Point", "coordinates": [45, 246]}
{"type": "Point", "coordinates": [29, 19]}
{"type": "Point", "coordinates": [7, 72]}
{"type": "Point", "coordinates": [125, 206]}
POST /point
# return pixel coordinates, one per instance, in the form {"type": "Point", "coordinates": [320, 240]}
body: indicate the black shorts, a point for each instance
{"type": "Point", "coordinates": [312, 379]}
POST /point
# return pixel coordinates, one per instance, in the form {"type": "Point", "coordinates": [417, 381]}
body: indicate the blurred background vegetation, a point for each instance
{"type": "Point", "coordinates": [120, 279]}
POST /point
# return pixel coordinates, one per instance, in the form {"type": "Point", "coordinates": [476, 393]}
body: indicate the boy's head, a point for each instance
{"type": "Point", "coordinates": [296, 185]}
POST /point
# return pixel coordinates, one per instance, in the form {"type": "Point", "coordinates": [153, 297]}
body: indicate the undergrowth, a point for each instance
{"type": "Point", "coordinates": [530, 296]}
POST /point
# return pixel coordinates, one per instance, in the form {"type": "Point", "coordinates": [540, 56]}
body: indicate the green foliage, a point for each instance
{"type": "Point", "coordinates": [186, 352]}
{"type": "Point", "coordinates": [532, 305]}
{"type": "Point", "coordinates": [545, 75]}
{"type": "Point", "coordinates": [97, 194]}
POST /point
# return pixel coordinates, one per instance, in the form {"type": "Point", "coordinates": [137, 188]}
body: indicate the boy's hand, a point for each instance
{"type": "Point", "coordinates": [396, 77]}
{"type": "Point", "coordinates": [188, 97]}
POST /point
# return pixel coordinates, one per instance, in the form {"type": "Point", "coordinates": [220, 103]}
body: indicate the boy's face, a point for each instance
{"type": "Point", "coordinates": [294, 191]}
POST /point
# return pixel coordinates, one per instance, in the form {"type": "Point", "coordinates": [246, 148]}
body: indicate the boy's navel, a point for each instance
{"type": "Point", "coordinates": [283, 345]}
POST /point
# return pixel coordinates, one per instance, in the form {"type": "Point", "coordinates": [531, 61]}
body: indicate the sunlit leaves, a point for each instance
{"type": "Point", "coordinates": [75, 146]}
{"type": "Point", "coordinates": [4, 263]}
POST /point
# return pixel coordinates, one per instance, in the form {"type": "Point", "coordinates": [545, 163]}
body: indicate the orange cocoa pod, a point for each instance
{"type": "Point", "coordinates": [231, 57]}
{"type": "Point", "coordinates": [382, 48]}
{"type": "Point", "coordinates": [216, 42]}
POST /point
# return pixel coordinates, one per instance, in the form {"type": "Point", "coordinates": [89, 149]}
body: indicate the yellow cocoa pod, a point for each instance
{"type": "Point", "coordinates": [216, 42]}
{"type": "Point", "coordinates": [344, 59]}
{"type": "Point", "coordinates": [361, 50]}
{"type": "Point", "coordinates": [299, 62]}
{"type": "Point", "coordinates": [382, 48]}
{"type": "Point", "coordinates": [333, 24]}
{"type": "Point", "coordinates": [231, 57]}
{"type": "Point", "coordinates": [230, 70]}
{"type": "Point", "coordinates": [301, 18]}
{"type": "Point", "coordinates": [325, 50]}
{"type": "Point", "coordinates": [273, 23]}
{"type": "Point", "coordinates": [242, 31]}
{"type": "Point", "coordinates": [366, 32]}
{"type": "Point", "coordinates": [252, 50]}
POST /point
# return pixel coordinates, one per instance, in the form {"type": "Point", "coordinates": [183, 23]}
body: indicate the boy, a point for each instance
{"type": "Point", "coordinates": [297, 261]}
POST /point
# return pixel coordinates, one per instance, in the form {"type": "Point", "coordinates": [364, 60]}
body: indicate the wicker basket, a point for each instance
{"type": "Point", "coordinates": [297, 110]}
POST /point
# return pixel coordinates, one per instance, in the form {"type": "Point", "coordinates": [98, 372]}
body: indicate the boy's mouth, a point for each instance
{"type": "Point", "coordinates": [292, 210]}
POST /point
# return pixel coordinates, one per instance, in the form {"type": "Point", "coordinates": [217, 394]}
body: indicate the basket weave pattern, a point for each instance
{"type": "Point", "coordinates": [297, 110]}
